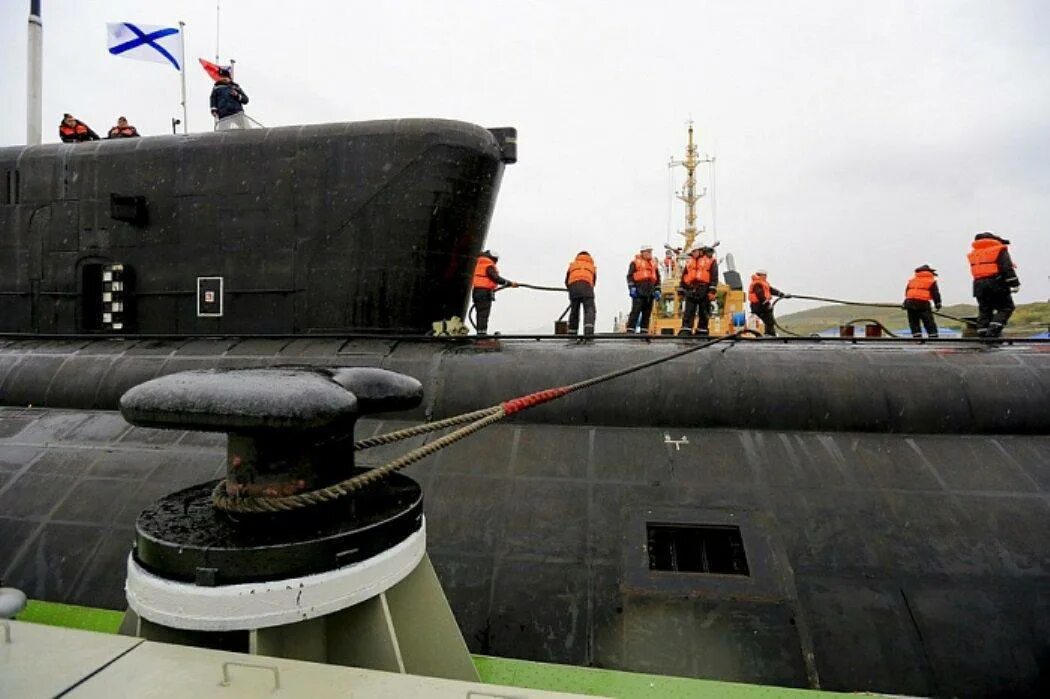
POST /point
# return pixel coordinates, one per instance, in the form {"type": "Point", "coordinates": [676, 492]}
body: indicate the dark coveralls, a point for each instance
{"type": "Point", "coordinates": [994, 304]}
{"type": "Point", "coordinates": [581, 294]}
{"type": "Point", "coordinates": [920, 312]}
{"type": "Point", "coordinates": [227, 98]}
{"type": "Point", "coordinates": [698, 304]}
{"type": "Point", "coordinates": [642, 301]}
{"type": "Point", "coordinates": [764, 308]}
{"type": "Point", "coordinates": [483, 299]}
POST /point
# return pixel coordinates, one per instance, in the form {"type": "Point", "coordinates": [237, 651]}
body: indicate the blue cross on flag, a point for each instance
{"type": "Point", "coordinates": [145, 42]}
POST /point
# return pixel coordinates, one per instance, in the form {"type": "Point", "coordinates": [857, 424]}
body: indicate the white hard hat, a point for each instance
{"type": "Point", "coordinates": [646, 247]}
{"type": "Point", "coordinates": [696, 248]}
{"type": "Point", "coordinates": [761, 272]}
{"type": "Point", "coordinates": [493, 254]}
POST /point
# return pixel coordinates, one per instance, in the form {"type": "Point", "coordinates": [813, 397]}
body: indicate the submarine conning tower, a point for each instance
{"type": "Point", "coordinates": [368, 226]}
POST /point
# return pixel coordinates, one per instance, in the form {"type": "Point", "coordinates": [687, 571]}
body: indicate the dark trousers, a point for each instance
{"type": "Point", "coordinates": [764, 311]}
{"type": "Point", "coordinates": [641, 309]}
{"type": "Point", "coordinates": [589, 313]}
{"type": "Point", "coordinates": [696, 306]}
{"type": "Point", "coordinates": [920, 312]}
{"type": "Point", "coordinates": [994, 306]}
{"type": "Point", "coordinates": [483, 305]}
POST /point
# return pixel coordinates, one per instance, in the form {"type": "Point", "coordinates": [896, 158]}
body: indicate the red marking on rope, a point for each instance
{"type": "Point", "coordinates": [533, 399]}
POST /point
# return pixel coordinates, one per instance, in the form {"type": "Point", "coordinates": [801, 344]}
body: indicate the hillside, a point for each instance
{"type": "Point", "coordinates": [1027, 320]}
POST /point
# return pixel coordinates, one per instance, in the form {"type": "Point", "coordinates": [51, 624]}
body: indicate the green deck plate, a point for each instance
{"type": "Point", "coordinates": [614, 683]}
{"type": "Point", "coordinates": [506, 671]}
{"type": "Point", "coordinates": [72, 617]}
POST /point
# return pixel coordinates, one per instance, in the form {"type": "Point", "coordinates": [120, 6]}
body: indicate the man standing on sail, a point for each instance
{"type": "Point", "coordinates": [227, 103]}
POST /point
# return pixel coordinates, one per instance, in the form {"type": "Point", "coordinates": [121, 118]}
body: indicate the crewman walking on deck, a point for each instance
{"type": "Point", "coordinates": [994, 279]}
{"type": "Point", "coordinates": [760, 297]}
{"type": "Point", "coordinates": [580, 279]}
{"type": "Point", "coordinates": [921, 290]}
{"type": "Point", "coordinates": [698, 279]}
{"type": "Point", "coordinates": [643, 285]}
{"type": "Point", "coordinates": [486, 281]}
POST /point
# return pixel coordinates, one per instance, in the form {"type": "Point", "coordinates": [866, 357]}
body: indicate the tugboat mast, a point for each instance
{"type": "Point", "coordinates": [689, 194]}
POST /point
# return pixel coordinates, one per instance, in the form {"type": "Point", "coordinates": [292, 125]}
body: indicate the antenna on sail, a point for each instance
{"type": "Point", "coordinates": [216, 32]}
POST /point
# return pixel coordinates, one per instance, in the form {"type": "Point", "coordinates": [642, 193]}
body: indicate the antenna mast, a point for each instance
{"type": "Point", "coordinates": [216, 32]}
{"type": "Point", "coordinates": [689, 194]}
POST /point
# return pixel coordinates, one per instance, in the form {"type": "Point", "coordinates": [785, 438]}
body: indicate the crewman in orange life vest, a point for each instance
{"type": "Point", "coordinates": [73, 130]}
{"type": "Point", "coordinates": [580, 279]}
{"type": "Point", "coordinates": [486, 281]}
{"type": "Point", "coordinates": [760, 297]}
{"type": "Point", "coordinates": [994, 279]}
{"type": "Point", "coordinates": [921, 289]}
{"type": "Point", "coordinates": [699, 278]}
{"type": "Point", "coordinates": [123, 129]}
{"type": "Point", "coordinates": [643, 285]}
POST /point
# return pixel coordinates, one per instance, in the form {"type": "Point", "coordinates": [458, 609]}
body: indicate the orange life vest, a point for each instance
{"type": "Point", "coordinates": [77, 130]}
{"type": "Point", "coordinates": [698, 271]}
{"type": "Point", "coordinates": [582, 269]}
{"type": "Point", "coordinates": [757, 281]}
{"type": "Point", "coordinates": [983, 258]}
{"type": "Point", "coordinates": [919, 287]}
{"type": "Point", "coordinates": [645, 270]}
{"type": "Point", "coordinates": [123, 132]}
{"type": "Point", "coordinates": [481, 277]}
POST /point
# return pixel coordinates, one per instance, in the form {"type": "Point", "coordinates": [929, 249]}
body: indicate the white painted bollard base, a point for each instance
{"type": "Point", "coordinates": [248, 606]}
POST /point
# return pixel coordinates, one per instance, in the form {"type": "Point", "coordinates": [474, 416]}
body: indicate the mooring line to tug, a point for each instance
{"type": "Point", "coordinates": [859, 320]}
{"type": "Point", "coordinates": [476, 421]}
{"type": "Point", "coordinates": [519, 285]}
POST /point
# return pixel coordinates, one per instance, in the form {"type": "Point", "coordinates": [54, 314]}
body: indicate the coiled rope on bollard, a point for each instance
{"type": "Point", "coordinates": [475, 421]}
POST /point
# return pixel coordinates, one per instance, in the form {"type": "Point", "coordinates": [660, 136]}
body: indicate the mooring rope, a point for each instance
{"type": "Point", "coordinates": [855, 303]}
{"type": "Point", "coordinates": [477, 420]}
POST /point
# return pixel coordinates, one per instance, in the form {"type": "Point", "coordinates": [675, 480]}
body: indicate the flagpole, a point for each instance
{"type": "Point", "coordinates": [182, 70]}
{"type": "Point", "coordinates": [34, 74]}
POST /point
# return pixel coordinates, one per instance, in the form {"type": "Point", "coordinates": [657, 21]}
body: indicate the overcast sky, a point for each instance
{"type": "Point", "coordinates": [854, 140]}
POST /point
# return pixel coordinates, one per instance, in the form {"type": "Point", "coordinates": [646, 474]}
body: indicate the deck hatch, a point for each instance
{"type": "Point", "coordinates": [696, 548]}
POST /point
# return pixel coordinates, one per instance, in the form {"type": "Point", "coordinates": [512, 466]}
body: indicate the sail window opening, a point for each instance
{"type": "Point", "coordinates": [91, 298]}
{"type": "Point", "coordinates": [696, 548]}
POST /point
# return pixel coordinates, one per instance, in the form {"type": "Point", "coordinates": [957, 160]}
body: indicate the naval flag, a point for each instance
{"type": "Point", "coordinates": [145, 42]}
{"type": "Point", "coordinates": [212, 69]}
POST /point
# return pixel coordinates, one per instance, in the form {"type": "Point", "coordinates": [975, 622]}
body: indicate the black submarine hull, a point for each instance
{"type": "Point", "coordinates": [886, 504]}
{"type": "Point", "coordinates": [331, 227]}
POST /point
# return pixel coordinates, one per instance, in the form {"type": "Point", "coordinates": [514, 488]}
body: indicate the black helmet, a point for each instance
{"type": "Point", "coordinates": [991, 236]}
